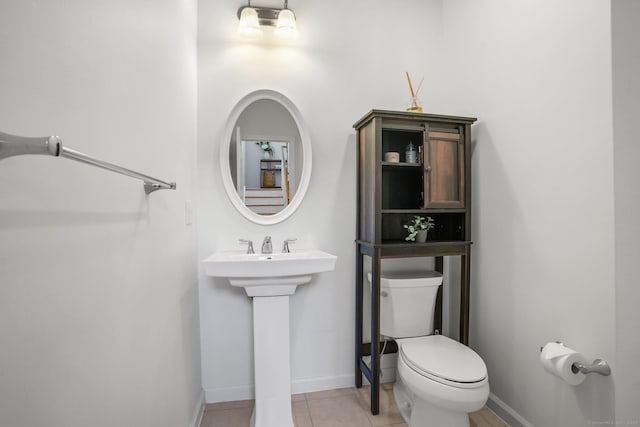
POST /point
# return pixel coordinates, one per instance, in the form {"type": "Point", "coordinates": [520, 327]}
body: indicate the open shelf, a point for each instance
{"type": "Point", "coordinates": [448, 226]}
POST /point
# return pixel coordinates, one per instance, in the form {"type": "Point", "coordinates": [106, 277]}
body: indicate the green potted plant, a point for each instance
{"type": "Point", "coordinates": [418, 228]}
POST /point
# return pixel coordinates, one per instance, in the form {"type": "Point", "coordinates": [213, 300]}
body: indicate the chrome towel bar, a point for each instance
{"type": "Point", "coordinates": [11, 145]}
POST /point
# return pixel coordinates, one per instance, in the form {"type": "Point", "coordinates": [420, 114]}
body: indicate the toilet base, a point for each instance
{"type": "Point", "coordinates": [404, 401]}
{"type": "Point", "coordinates": [420, 413]}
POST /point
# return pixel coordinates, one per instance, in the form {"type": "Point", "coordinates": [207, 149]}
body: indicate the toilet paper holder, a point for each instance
{"type": "Point", "coordinates": [598, 366]}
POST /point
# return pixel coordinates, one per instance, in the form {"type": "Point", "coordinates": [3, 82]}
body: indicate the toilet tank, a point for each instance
{"type": "Point", "coordinates": [407, 302]}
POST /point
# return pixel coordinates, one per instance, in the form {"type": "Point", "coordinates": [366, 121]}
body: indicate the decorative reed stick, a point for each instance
{"type": "Point", "coordinates": [413, 95]}
{"type": "Point", "coordinates": [419, 86]}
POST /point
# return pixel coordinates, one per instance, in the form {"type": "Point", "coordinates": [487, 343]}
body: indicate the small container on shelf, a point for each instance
{"type": "Point", "coordinates": [392, 157]}
{"type": "Point", "coordinates": [268, 179]}
{"type": "Point", "coordinates": [411, 155]}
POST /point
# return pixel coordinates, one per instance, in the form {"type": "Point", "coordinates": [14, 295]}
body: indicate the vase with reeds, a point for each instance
{"type": "Point", "coordinates": [415, 104]}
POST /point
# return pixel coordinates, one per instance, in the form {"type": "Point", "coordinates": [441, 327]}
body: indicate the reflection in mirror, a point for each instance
{"type": "Point", "coordinates": [266, 159]}
{"type": "Point", "coordinates": [263, 157]}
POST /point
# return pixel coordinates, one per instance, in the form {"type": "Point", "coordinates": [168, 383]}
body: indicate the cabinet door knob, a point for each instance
{"type": "Point", "coordinates": [427, 168]}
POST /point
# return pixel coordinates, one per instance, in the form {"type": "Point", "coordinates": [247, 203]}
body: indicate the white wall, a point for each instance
{"type": "Point", "coordinates": [98, 295]}
{"type": "Point", "coordinates": [342, 65]}
{"type": "Point", "coordinates": [626, 109]}
{"type": "Point", "coordinates": [538, 75]}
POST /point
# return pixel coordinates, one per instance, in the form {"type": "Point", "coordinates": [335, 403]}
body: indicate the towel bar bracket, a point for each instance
{"type": "Point", "coordinates": [150, 187]}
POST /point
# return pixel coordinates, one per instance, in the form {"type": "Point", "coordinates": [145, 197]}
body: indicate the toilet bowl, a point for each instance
{"type": "Point", "coordinates": [439, 381]}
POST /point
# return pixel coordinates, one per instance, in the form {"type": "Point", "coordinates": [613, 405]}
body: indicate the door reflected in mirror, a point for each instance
{"type": "Point", "coordinates": [263, 178]}
{"type": "Point", "coordinates": [266, 164]}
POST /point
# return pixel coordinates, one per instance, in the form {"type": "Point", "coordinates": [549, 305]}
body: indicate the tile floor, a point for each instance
{"type": "Point", "coordinates": [345, 407]}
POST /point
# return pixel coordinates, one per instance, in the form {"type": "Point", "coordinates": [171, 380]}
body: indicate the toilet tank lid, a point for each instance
{"type": "Point", "coordinates": [409, 278]}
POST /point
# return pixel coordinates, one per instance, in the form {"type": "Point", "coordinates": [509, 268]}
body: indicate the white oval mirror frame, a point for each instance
{"type": "Point", "coordinates": [306, 157]}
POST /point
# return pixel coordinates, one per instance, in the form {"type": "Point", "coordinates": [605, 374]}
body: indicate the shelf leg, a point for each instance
{"type": "Point", "coordinates": [437, 320]}
{"type": "Point", "coordinates": [465, 279]}
{"type": "Point", "coordinates": [375, 331]}
{"type": "Point", "coordinates": [359, 310]}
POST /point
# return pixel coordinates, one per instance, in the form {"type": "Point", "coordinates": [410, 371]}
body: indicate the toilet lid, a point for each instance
{"type": "Point", "coordinates": [442, 357]}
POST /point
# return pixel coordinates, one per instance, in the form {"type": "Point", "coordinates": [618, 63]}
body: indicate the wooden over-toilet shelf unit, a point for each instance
{"type": "Point", "coordinates": [436, 183]}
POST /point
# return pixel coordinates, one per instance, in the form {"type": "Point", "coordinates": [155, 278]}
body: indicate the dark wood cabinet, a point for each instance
{"type": "Point", "coordinates": [389, 193]}
{"type": "Point", "coordinates": [434, 182]}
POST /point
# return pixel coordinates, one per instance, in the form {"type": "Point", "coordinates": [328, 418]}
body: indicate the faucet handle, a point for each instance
{"type": "Point", "coordinates": [249, 246]}
{"type": "Point", "coordinates": [285, 247]}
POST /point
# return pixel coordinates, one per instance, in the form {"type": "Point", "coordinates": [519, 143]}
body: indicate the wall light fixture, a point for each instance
{"type": "Point", "coordinates": [253, 19]}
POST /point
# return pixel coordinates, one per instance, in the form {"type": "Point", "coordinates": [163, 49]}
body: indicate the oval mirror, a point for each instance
{"type": "Point", "coordinates": [265, 158]}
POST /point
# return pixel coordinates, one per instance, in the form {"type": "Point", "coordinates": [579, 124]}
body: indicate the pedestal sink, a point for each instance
{"type": "Point", "coordinates": [270, 279]}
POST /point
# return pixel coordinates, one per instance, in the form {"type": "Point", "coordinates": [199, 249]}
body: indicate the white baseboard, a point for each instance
{"type": "Point", "coordinates": [310, 385]}
{"type": "Point", "coordinates": [198, 412]}
{"type": "Point", "coordinates": [506, 412]}
{"type": "Point", "coordinates": [228, 394]}
{"type": "Point", "coordinates": [387, 375]}
{"type": "Point", "coordinates": [307, 385]}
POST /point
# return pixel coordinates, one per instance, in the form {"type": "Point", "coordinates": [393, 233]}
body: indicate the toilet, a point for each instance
{"type": "Point", "coordinates": [439, 381]}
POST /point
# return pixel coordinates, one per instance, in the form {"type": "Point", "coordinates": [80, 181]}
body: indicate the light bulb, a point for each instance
{"type": "Point", "coordinates": [286, 25]}
{"type": "Point", "coordinates": [249, 25]}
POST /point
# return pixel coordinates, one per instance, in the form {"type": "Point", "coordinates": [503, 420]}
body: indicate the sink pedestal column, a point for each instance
{"type": "Point", "coordinates": [271, 349]}
{"type": "Point", "coordinates": [271, 362]}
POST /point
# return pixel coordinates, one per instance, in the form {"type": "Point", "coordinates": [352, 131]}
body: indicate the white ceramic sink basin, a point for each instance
{"type": "Point", "coordinates": [269, 274]}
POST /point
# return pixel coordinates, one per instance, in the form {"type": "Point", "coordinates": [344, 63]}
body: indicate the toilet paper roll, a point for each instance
{"type": "Point", "coordinates": [558, 360]}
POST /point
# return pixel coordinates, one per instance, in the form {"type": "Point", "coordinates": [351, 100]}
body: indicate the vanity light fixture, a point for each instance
{"type": "Point", "coordinates": [252, 19]}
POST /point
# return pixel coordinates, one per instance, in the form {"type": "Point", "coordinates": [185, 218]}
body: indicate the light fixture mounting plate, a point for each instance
{"type": "Point", "coordinates": [267, 16]}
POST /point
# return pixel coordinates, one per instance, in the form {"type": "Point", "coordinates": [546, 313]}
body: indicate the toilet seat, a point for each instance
{"type": "Point", "coordinates": [444, 360]}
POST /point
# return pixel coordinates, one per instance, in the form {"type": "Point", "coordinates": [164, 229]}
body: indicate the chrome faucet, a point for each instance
{"type": "Point", "coordinates": [266, 245]}
{"type": "Point", "coordinates": [285, 248]}
{"type": "Point", "coordinates": [249, 245]}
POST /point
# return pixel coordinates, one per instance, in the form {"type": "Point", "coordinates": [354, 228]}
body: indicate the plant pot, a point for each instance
{"type": "Point", "coordinates": [421, 237]}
